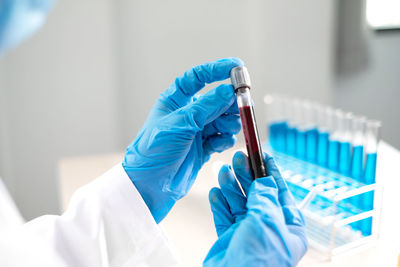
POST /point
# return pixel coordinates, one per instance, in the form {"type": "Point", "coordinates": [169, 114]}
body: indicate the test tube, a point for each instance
{"type": "Point", "coordinates": [345, 147]}
{"type": "Point", "coordinates": [277, 124]}
{"type": "Point", "coordinates": [372, 138]}
{"type": "Point", "coordinates": [299, 109]}
{"type": "Point", "coordinates": [333, 146]}
{"type": "Point", "coordinates": [310, 116]}
{"type": "Point", "coordinates": [344, 129]}
{"type": "Point", "coordinates": [357, 161]}
{"type": "Point", "coordinates": [240, 79]}
{"type": "Point", "coordinates": [291, 129]}
{"type": "Point", "coordinates": [371, 148]}
{"type": "Point", "coordinates": [324, 117]}
{"type": "Point", "coordinates": [282, 123]}
{"type": "Point", "coordinates": [270, 111]}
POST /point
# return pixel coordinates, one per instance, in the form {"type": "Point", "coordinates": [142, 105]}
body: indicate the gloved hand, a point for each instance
{"type": "Point", "coordinates": [21, 19]}
{"type": "Point", "coordinates": [266, 229]}
{"type": "Point", "coordinates": [181, 133]}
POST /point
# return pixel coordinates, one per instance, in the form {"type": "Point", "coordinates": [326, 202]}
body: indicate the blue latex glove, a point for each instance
{"type": "Point", "coordinates": [266, 229]}
{"type": "Point", "coordinates": [19, 19]}
{"type": "Point", "coordinates": [181, 133]}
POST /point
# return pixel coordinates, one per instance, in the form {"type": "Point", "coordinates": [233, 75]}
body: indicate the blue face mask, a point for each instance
{"type": "Point", "coordinates": [19, 19]}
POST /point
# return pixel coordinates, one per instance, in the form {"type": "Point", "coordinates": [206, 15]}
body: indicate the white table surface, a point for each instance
{"type": "Point", "coordinates": [190, 227]}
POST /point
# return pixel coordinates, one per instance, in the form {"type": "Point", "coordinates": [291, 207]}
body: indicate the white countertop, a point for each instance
{"type": "Point", "coordinates": [190, 226]}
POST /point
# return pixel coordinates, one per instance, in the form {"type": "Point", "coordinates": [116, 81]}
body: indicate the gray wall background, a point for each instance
{"type": "Point", "coordinates": [60, 97]}
{"type": "Point", "coordinates": [160, 40]}
{"type": "Point", "coordinates": [86, 82]}
{"type": "Point", "coordinates": [375, 90]}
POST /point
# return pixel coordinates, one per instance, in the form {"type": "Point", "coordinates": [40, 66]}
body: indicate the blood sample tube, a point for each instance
{"type": "Point", "coordinates": [241, 83]}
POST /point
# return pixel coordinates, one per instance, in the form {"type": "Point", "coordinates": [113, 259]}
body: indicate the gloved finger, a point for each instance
{"type": "Point", "coordinates": [225, 124]}
{"type": "Point", "coordinates": [208, 107]}
{"type": "Point", "coordinates": [292, 214]}
{"type": "Point", "coordinates": [231, 191]}
{"type": "Point", "coordinates": [240, 164]}
{"type": "Point", "coordinates": [233, 109]}
{"type": "Point", "coordinates": [223, 218]}
{"type": "Point", "coordinates": [263, 201]}
{"type": "Point", "coordinates": [285, 197]}
{"type": "Point", "coordinates": [299, 244]}
{"type": "Point", "coordinates": [193, 80]}
{"type": "Point", "coordinates": [218, 143]}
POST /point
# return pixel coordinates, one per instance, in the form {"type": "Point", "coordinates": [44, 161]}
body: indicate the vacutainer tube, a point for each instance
{"type": "Point", "coordinates": [241, 83]}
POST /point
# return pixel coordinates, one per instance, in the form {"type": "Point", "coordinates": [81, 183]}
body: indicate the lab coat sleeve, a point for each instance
{"type": "Point", "coordinates": [107, 223]}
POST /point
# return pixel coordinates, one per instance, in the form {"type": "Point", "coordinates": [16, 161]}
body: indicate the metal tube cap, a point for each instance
{"type": "Point", "coordinates": [240, 77]}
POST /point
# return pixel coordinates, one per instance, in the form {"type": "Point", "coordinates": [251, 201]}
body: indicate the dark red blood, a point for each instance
{"type": "Point", "coordinates": [252, 142]}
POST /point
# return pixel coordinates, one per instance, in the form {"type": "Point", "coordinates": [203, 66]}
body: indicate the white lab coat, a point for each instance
{"type": "Point", "coordinates": [107, 223]}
